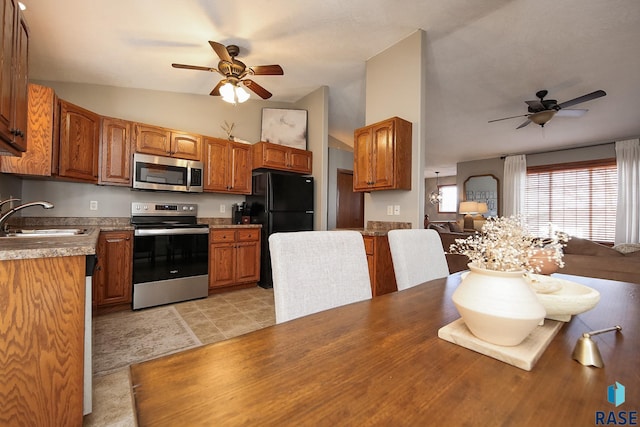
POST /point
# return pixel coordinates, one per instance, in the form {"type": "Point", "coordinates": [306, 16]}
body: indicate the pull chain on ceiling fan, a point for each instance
{"type": "Point", "coordinates": [235, 72]}
{"type": "Point", "coordinates": [541, 110]}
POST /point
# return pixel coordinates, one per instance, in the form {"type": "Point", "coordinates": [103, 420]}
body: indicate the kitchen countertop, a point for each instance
{"type": "Point", "coordinates": [379, 228]}
{"type": "Point", "coordinates": [51, 246]}
{"type": "Point", "coordinates": [85, 244]}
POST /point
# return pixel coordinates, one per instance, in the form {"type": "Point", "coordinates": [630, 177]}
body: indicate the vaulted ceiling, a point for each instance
{"type": "Point", "coordinates": [484, 59]}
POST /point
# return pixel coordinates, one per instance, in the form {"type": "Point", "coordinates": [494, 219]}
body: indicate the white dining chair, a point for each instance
{"type": "Point", "coordinates": [317, 270]}
{"type": "Point", "coordinates": [417, 256]}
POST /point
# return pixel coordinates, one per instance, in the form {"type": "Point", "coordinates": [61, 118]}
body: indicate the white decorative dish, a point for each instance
{"type": "Point", "coordinates": [562, 298]}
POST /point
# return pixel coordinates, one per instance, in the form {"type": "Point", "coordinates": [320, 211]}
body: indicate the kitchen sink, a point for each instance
{"type": "Point", "coordinates": [49, 232]}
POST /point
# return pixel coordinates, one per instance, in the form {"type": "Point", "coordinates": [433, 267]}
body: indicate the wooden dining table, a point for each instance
{"type": "Point", "coordinates": [380, 362]}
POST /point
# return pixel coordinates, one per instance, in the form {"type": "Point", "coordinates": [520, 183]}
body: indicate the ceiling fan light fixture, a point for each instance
{"type": "Point", "coordinates": [242, 94]}
{"type": "Point", "coordinates": [542, 117]}
{"type": "Point", "coordinates": [233, 94]}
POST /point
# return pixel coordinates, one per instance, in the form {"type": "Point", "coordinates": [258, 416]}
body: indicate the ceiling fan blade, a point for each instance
{"type": "Point", "coordinates": [524, 124]}
{"type": "Point", "coordinates": [569, 112]}
{"type": "Point", "coordinates": [267, 70]}
{"type": "Point", "coordinates": [507, 118]}
{"type": "Point", "coordinates": [216, 90]}
{"type": "Point", "coordinates": [220, 50]}
{"type": "Point", "coordinates": [259, 90]}
{"type": "Point", "coordinates": [194, 67]}
{"type": "Point", "coordinates": [583, 98]}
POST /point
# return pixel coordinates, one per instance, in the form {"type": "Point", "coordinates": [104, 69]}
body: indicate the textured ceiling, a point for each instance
{"type": "Point", "coordinates": [484, 59]}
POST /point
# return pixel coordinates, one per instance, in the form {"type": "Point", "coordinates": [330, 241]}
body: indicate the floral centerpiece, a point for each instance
{"type": "Point", "coordinates": [494, 300]}
{"type": "Point", "coordinates": [505, 244]}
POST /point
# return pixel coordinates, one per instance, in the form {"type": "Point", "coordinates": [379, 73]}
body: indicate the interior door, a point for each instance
{"type": "Point", "coordinates": [349, 204]}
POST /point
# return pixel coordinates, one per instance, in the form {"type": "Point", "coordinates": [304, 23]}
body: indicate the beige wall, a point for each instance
{"type": "Point", "coordinates": [317, 105]}
{"type": "Point", "coordinates": [395, 86]}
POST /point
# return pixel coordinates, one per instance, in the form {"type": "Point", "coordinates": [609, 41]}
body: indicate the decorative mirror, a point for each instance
{"type": "Point", "coordinates": [483, 189]}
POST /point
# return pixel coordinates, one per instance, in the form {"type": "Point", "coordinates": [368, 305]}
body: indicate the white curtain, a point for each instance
{"type": "Point", "coordinates": [628, 208]}
{"type": "Point", "coordinates": [515, 180]}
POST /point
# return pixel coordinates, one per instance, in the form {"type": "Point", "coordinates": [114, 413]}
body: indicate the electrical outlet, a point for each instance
{"type": "Point", "coordinates": [222, 209]}
{"type": "Point", "coordinates": [396, 210]}
{"type": "Point", "coordinates": [389, 209]}
{"type": "Point", "coordinates": [93, 205]}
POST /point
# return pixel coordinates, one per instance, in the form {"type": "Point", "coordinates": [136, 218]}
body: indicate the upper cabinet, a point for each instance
{"type": "Point", "coordinates": [13, 80]}
{"type": "Point", "coordinates": [382, 156]}
{"type": "Point", "coordinates": [63, 140]}
{"type": "Point", "coordinates": [115, 152]}
{"type": "Point", "coordinates": [227, 166]}
{"type": "Point", "coordinates": [280, 157]}
{"type": "Point", "coordinates": [79, 143]}
{"type": "Point", "coordinates": [159, 141]}
{"type": "Point", "coordinates": [42, 135]}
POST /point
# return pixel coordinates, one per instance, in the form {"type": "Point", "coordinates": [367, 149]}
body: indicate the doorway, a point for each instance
{"type": "Point", "coordinates": [349, 204]}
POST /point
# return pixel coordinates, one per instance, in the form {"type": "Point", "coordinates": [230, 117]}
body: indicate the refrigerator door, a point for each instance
{"type": "Point", "coordinates": [280, 222]}
{"type": "Point", "coordinates": [290, 193]}
{"type": "Point", "coordinates": [290, 221]}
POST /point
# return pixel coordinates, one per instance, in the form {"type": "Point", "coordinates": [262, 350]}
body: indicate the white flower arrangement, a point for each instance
{"type": "Point", "coordinates": [504, 244]}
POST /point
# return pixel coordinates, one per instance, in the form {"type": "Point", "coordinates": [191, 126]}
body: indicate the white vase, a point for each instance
{"type": "Point", "coordinates": [498, 306]}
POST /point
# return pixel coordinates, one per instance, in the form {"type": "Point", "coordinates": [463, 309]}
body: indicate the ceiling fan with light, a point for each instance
{"type": "Point", "coordinates": [235, 74]}
{"type": "Point", "coordinates": [542, 110]}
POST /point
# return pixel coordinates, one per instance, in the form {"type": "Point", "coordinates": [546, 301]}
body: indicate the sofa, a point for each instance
{"type": "Point", "coordinates": [449, 232]}
{"type": "Point", "coordinates": [584, 257]}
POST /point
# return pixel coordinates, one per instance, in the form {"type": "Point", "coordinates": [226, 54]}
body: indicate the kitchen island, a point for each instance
{"type": "Point", "coordinates": [43, 295]}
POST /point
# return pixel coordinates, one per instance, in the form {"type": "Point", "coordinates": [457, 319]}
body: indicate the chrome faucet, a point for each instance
{"type": "Point", "coordinates": [6, 215]}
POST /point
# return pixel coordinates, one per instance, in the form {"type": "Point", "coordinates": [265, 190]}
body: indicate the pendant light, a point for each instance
{"type": "Point", "coordinates": [435, 197]}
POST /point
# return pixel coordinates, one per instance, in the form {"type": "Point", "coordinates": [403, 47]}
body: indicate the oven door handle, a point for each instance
{"type": "Point", "coordinates": [170, 231]}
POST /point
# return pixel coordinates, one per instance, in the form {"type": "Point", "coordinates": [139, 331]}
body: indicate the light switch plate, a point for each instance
{"type": "Point", "coordinates": [389, 209]}
{"type": "Point", "coordinates": [93, 205]}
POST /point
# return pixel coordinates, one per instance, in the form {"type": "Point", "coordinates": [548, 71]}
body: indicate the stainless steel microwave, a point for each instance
{"type": "Point", "coordinates": [166, 174]}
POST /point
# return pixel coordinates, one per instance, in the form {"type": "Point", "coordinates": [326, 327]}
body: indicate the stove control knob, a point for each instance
{"type": "Point", "coordinates": [190, 208]}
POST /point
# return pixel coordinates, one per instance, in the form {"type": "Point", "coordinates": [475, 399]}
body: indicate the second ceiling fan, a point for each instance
{"type": "Point", "coordinates": [235, 74]}
{"type": "Point", "coordinates": [542, 110]}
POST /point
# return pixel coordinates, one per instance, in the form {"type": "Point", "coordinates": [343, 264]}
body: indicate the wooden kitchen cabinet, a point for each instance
{"type": "Point", "coordinates": [112, 280]}
{"type": "Point", "coordinates": [234, 257]}
{"type": "Point", "coordinates": [42, 135]}
{"type": "Point", "coordinates": [381, 273]}
{"type": "Point", "coordinates": [14, 52]}
{"type": "Point", "coordinates": [227, 166]}
{"type": "Point", "coordinates": [115, 152]}
{"type": "Point", "coordinates": [382, 156]}
{"type": "Point", "coordinates": [42, 341]}
{"type": "Point", "coordinates": [280, 157]}
{"type": "Point", "coordinates": [79, 143]}
{"type": "Point", "coordinates": [159, 141]}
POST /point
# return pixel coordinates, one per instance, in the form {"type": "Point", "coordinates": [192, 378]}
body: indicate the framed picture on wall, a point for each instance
{"type": "Point", "coordinates": [284, 127]}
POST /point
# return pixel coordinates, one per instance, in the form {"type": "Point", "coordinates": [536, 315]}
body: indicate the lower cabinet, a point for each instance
{"type": "Point", "coordinates": [234, 257]}
{"type": "Point", "coordinates": [381, 273]}
{"type": "Point", "coordinates": [42, 341]}
{"type": "Point", "coordinates": [113, 274]}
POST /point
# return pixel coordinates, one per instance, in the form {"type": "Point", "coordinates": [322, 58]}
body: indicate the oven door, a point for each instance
{"type": "Point", "coordinates": [169, 265]}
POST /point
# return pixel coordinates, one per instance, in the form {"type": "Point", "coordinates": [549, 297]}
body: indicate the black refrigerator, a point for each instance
{"type": "Point", "coordinates": [281, 203]}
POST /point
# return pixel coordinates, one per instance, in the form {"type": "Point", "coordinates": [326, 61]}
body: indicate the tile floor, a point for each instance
{"type": "Point", "coordinates": [213, 319]}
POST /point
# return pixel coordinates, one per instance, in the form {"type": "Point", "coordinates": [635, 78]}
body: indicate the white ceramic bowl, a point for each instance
{"type": "Point", "coordinates": [563, 298]}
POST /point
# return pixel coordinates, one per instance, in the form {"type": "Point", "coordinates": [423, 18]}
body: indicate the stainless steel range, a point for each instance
{"type": "Point", "coordinates": [170, 254]}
